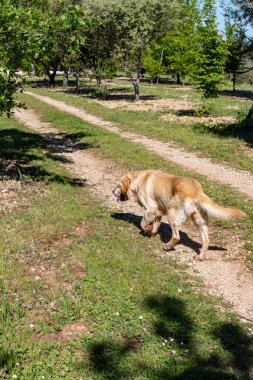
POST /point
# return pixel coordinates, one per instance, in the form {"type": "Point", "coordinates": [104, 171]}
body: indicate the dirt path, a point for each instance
{"type": "Point", "coordinates": [223, 274]}
{"type": "Point", "coordinates": [203, 166]}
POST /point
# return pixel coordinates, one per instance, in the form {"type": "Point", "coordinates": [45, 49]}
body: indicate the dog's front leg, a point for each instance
{"type": "Point", "coordinates": [156, 224]}
{"type": "Point", "coordinates": [148, 219]}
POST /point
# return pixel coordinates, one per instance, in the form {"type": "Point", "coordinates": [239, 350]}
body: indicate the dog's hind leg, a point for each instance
{"type": "Point", "coordinates": [201, 222]}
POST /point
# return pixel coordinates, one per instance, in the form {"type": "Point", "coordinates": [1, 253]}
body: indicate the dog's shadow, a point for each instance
{"type": "Point", "coordinates": [164, 232]}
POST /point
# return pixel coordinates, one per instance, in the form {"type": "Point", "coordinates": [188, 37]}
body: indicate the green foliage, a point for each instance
{"type": "Point", "coordinates": [101, 36]}
{"type": "Point", "coordinates": [102, 33]}
{"type": "Point", "coordinates": [182, 42]}
{"type": "Point", "coordinates": [14, 36]}
{"type": "Point", "coordinates": [9, 84]}
{"type": "Point", "coordinates": [152, 63]}
{"type": "Point", "coordinates": [13, 48]}
{"type": "Point", "coordinates": [245, 8]}
{"type": "Point", "coordinates": [238, 46]}
{"type": "Point", "coordinates": [101, 92]}
{"type": "Point", "coordinates": [58, 36]}
{"type": "Point", "coordinates": [212, 56]}
{"type": "Point", "coordinates": [110, 71]}
{"type": "Point", "coordinates": [143, 21]}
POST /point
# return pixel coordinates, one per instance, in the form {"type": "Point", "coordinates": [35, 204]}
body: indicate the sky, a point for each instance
{"type": "Point", "coordinates": [220, 20]}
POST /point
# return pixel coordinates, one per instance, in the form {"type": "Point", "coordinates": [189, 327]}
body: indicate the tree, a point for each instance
{"type": "Point", "coordinates": [212, 54]}
{"type": "Point", "coordinates": [153, 60]}
{"type": "Point", "coordinates": [58, 36]}
{"type": "Point", "coordinates": [142, 22]}
{"type": "Point", "coordinates": [13, 48]}
{"type": "Point", "coordinates": [101, 36]}
{"type": "Point", "coordinates": [182, 43]}
{"type": "Point", "coordinates": [245, 8]}
{"type": "Point", "coordinates": [238, 48]}
{"type": "Point", "coordinates": [9, 86]}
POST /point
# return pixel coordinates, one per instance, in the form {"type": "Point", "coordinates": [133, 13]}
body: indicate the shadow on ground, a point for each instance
{"type": "Point", "coordinates": [238, 130]}
{"type": "Point", "coordinates": [91, 91]}
{"type": "Point", "coordinates": [164, 232]}
{"type": "Point", "coordinates": [229, 359]}
{"type": "Point", "coordinates": [22, 154]}
{"type": "Point", "coordinates": [242, 94]}
{"type": "Point", "coordinates": [113, 94]}
{"type": "Point", "coordinates": [7, 362]}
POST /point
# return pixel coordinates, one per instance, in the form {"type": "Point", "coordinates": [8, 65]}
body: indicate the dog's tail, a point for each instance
{"type": "Point", "coordinates": [217, 211]}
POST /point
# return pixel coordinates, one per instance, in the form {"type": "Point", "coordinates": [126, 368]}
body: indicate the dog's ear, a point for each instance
{"type": "Point", "coordinates": [125, 182]}
{"type": "Point", "coordinates": [131, 176]}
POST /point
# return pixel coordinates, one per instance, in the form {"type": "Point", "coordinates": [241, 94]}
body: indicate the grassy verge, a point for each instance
{"type": "Point", "coordinates": [134, 157]}
{"type": "Point", "coordinates": [222, 143]}
{"type": "Point", "coordinates": [142, 322]}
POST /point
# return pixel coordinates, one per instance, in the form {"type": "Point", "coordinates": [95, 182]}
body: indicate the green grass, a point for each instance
{"type": "Point", "coordinates": [141, 326]}
{"type": "Point", "coordinates": [222, 143]}
{"type": "Point", "coordinates": [134, 157]}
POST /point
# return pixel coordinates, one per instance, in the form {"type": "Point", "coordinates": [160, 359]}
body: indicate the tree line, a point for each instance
{"type": "Point", "coordinates": [135, 36]}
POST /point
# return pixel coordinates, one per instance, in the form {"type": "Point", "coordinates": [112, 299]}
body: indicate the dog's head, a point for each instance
{"type": "Point", "coordinates": [122, 190]}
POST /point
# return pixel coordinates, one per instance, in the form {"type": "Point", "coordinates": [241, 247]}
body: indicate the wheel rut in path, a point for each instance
{"type": "Point", "coordinates": [203, 166]}
{"type": "Point", "coordinates": [222, 276]}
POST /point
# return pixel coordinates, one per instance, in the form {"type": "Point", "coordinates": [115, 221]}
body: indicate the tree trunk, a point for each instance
{"type": "Point", "coordinates": [34, 71]}
{"type": "Point", "coordinates": [135, 83]}
{"type": "Point", "coordinates": [234, 81]}
{"type": "Point", "coordinates": [99, 82]}
{"type": "Point", "coordinates": [249, 118]}
{"type": "Point", "coordinates": [160, 66]}
{"type": "Point", "coordinates": [139, 66]}
{"type": "Point", "coordinates": [65, 78]}
{"type": "Point", "coordinates": [51, 76]}
{"type": "Point", "coordinates": [77, 76]}
{"type": "Point", "coordinates": [178, 78]}
{"type": "Point", "coordinates": [136, 89]}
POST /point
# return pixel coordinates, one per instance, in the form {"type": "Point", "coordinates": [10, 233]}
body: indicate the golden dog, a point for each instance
{"type": "Point", "coordinates": [179, 198]}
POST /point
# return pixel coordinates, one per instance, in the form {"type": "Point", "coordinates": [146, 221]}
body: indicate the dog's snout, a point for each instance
{"type": "Point", "coordinates": [117, 191]}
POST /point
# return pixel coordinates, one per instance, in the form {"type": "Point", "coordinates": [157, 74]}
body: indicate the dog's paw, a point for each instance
{"type": "Point", "coordinates": [149, 229]}
{"type": "Point", "coordinates": [167, 247]}
{"type": "Point", "coordinates": [198, 258]}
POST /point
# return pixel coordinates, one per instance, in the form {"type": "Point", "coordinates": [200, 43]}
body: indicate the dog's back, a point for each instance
{"type": "Point", "coordinates": [162, 187]}
{"type": "Point", "coordinates": [166, 190]}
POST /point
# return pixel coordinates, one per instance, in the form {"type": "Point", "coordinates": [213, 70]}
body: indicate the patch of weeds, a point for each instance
{"type": "Point", "coordinates": [241, 116]}
{"type": "Point", "coordinates": [8, 360]}
{"type": "Point", "coordinates": [5, 312]}
{"type": "Point", "coordinates": [101, 93]}
{"type": "Point", "coordinates": [203, 110]}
